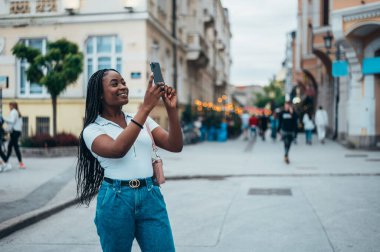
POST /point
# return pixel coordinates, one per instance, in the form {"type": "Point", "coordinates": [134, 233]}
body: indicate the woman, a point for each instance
{"type": "Point", "coordinates": [115, 154]}
{"type": "Point", "coordinates": [308, 125]}
{"type": "Point", "coordinates": [14, 122]}
{"type": "Point", "coordinates": [287, 124]}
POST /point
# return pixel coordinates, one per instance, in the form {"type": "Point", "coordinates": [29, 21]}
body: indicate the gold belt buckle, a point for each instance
{"type": "Point", "coordinates": [135, 183]}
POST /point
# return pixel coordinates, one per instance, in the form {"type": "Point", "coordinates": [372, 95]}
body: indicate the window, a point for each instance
{"type": "Point", "coordinates": [310, 38]}
{"type": "Point", "coordinates": [25, 88]}
{"type": "Point", "coordinates": [103, 52]}
{"type": "Point", "coordinates": [42, 125]}
{"type": "Point", "coordinates": [25, 126]}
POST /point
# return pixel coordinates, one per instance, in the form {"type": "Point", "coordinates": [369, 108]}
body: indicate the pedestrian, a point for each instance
{"type": "Point", "coordinates": [4, 166]}
{"type": "Point", "coordinates": [287, 125]}
{"type": "Point", "coordinates": [273, 125]}
{"type": "Point", "coordinates": [321, 121]}
{"type": "Point", "coordinates": [295, 114]}
{"type": "Point", "coordinates": [245, 124]}
{"type": "Point", "coordinates": [115, 161]}
{"type": "Point", "coordinates": [14, 122]}
{"type": "Point", "coordinates": [308, 126]}
{"type": "Point", "coordinates": [263, 122]}
{"type": "Point", "coordinates": [253, 122]}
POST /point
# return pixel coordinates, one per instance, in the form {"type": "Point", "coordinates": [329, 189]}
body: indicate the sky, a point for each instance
{"type": "Point", "coordinates": [259, 29]}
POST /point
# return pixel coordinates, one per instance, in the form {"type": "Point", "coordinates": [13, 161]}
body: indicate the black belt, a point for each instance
{"type": "Point", "coordinates": [133, 183]}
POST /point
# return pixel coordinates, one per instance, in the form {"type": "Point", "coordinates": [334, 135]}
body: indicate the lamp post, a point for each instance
{"type": "Point", "coordinates": [328, 43]}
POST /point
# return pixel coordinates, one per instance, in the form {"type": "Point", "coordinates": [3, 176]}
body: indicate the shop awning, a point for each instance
{"type": "Point", "coordinates": [371, 65]}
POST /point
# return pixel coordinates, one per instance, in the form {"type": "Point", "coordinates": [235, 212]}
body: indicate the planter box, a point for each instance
{"type": "Point", "coordinates": [49, 151]}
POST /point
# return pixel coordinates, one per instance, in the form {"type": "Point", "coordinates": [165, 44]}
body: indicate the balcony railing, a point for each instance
{"type": "Point", "coordinates": [197, 49]}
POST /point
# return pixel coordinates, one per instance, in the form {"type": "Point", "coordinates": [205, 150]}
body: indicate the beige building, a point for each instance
{"type": "Point", "coordinates": [192, 46]}
{"type": "Point", "coordinates": [352, 100]}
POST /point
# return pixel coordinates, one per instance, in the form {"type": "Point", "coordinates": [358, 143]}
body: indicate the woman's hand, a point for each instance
{"type": "Point", "coordinates": [152, 94]}
{"type": "Point", "coordinates": [170, 97]}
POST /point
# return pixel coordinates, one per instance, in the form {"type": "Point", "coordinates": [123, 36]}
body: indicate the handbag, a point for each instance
{"type": "Point", "coordinates": [157, 164]}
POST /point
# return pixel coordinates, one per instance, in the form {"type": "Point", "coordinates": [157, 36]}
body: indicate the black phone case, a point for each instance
{"type": "Point", "coordinates": [156, 69]}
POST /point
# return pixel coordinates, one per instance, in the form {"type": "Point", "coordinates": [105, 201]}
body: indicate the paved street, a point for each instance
{"type": "Point", "coordinates": [234, 196]}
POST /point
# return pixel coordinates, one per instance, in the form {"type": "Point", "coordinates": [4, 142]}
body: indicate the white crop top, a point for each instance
{"type": "Point", "coordinates": [137, 163]}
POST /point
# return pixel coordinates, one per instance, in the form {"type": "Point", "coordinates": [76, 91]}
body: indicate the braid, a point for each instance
{"type": "Point", "coordinates": [89, 173]}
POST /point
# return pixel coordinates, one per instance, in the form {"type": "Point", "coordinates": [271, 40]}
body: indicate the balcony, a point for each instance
{"type": "Point", "coordinates": [208, 17]}
{"type": "Point", "coordinates": [197, 50]}
{"type": "Point", "coordinates": [220, 45]}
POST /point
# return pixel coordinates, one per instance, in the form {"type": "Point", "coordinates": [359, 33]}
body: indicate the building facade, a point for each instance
{"type": "Point", "coordinates": [190, 39]}
{"type": "Point", "coordinates": [330, 32]}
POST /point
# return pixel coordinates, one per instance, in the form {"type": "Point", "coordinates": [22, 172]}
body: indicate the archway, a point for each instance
{"type": "Point", "coordinates": [310, 93]}
{"type": "Point", "coordinates": [365, 40]}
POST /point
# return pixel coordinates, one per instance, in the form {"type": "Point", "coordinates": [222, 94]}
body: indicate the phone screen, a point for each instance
{"type": "Point", "coordinates": [156, 69]}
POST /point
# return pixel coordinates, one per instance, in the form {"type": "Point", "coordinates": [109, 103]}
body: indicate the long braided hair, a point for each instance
{"type": "Point", "coordinates": [89, 173]}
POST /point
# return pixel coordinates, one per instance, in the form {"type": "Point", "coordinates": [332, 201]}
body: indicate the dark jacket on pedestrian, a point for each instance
{"type": "Point", "coordinates": [287, 121]}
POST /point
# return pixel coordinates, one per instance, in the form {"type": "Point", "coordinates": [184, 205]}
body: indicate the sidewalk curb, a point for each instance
{"type": "Point", "coordinates": [10, 226]}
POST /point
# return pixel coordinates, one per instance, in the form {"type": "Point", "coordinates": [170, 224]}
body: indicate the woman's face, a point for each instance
{"type": "Point", "coordinates": [115, 91]}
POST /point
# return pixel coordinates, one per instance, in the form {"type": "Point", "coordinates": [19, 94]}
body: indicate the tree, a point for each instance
{"type": "Point", "coordinates": [59, 67]}
{"type": "Point", "coordinates": [273, 95]}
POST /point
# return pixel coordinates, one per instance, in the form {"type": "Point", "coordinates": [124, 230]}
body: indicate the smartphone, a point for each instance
{"type": "Point", "coordinates": [157, 75]}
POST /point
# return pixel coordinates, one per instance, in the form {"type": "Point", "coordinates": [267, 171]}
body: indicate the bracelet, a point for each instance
{"type": "Point", "coordinates": [138, 124]}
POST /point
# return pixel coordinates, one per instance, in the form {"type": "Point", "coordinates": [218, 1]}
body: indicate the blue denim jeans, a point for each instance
{"type": "Point", "coordinates": [123, 213]}
{"type": "Point", "coordinates": [309, 136]}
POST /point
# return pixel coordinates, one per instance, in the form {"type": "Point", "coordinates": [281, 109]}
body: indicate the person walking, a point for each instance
{"type": "Point", "coordinates": [115, 161]}
{"type": "Point", "coordinates": [273, 125]}
{"type": "Point", "coordinates": [287, 126]}
{"type": "Point", "coordinates": [14, 128]}
{"type": "Point", "coordinates": [321, 121]}
{"type": "Point", "coordinates": [263, 122]}
{"type": "Point", "coordinates": [308, 125]}
{"type": "Point", "coordinates": [253, 122]}
{"type": "Point", "coordinates": [245, 124]}
{"type": "Point", "coordinates": [296, 117]}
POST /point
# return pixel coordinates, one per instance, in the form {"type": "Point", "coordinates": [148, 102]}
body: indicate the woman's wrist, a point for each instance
{"type": "Point", "coordinates": [170, 109]}
{"type": "Point", "coordinates": [145, 109]}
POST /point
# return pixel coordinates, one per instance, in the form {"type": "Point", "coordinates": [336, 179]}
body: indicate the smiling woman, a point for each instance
{"type": "Point", "coordinates": [115, 161]}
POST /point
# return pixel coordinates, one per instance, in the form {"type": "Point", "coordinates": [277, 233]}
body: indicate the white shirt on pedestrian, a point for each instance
{"type": "Point", "coordinates": [307, 122]}
{"type": "Point", "coordinates": [137, 163]}
{"type": "Point", "coordinates": [321, 118]}
{"type": "Point", "coordinates": [14, 121]}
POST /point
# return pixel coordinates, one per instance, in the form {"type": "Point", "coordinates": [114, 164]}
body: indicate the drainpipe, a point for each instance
{"type": "Point", "coordinates": [337, 80]}
{"type": "Point", "coordinates": [174, 34]}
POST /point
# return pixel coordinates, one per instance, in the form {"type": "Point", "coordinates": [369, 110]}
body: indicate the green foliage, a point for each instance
{"type": "Point", "coordinates": [59, 67]}
{"type": "Point", "coordinates": [188, 115]}
{"type": "Point", "coordinates": [213, 119]}
{"type": "Point", "coordinates": [273, 94]}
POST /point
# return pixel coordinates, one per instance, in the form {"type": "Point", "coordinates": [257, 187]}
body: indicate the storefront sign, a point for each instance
{"type": "Point", "coordinates": [340, 68]}
{"type": "Point", "coordinates": [371, 65]}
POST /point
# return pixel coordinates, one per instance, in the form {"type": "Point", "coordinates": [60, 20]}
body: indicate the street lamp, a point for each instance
{"type": "Point", "coordinates": [328, 39]}
{"type": "Point", "coordinates": [328, 43]}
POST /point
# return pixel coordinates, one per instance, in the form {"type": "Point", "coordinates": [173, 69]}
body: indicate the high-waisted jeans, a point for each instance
{"type": "Point", "coordinates": [124, 213]}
